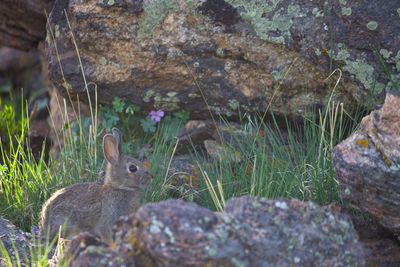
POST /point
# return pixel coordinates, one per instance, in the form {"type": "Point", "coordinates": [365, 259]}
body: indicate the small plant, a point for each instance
{"type": "Point", "coordinates": [9, 124]}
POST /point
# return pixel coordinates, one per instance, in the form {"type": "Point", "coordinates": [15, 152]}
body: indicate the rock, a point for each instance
{"type": "Point", "coordinates": [367, 165]}
{"type": "Point", "coordinates": [23, 22]}
{"type": "Point", "coordinates": [382, 248]}
{"type": "Point", "coordinates": [86, 250]}
{"type": "Point", "coordinates": [158, 54]}
{"type": "Point", "coordinates": [63, 111]}
{"type": "Point", "coordinates": [220, 152]}
{"type": "Point", "coordinates": [11, 236]}
{"type": "Point", "coordinates": [193, 134]}
{"type": "Point", "coordinates": [250, 232]}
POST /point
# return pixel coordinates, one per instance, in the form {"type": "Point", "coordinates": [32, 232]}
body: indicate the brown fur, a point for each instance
{"type": "Point", "coordinates": [95, 206]}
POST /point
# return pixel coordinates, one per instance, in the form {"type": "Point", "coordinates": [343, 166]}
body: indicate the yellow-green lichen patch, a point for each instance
{"type": "Point", "coordinates": [372, 25]}
{"type": "Point", "coordinates": [257, 12]}
{"type": "Point", "coordinates": [398, 11]}
{"type": "Point", "coordinates": [154, 13]}
{"type": "Point", "coordinates": [277, 75]}
{"type": "Point", "coordinates": [234, 104]}
{"type": "Point", "coordinates": [169, 234]}
{"type": "Point", "coordinates": [347, 191]}
{"type": "Point", "coordinates": [193, 95]}
{"type": "Point", "coordinates": [220, 52]}
{"type": "Point", "coordinates": [111, 2]}
{"type": "Point", "coordinates": [364, 143]}
{"type": "Point", "coordinates": [361, 70]}
{"type": "Point", "coordinates": [385, 53]}
{"type": "Point", "coordinates": [343, 2]}
{"type": "Point", "coordinates": [256, 204]}
{"type": "Point", "coordinates": [346, 11]}
{"type": "Point", "coordinates": [148, 95]}
{"type": "Point", "coordinates": [156, 226]}
{"type": "Point", "coordinates": [397, 60]}
{"type": "Point", "coordinates": [57, 31]}
{"type": "Point", "coordinates": [281, 204]}
{"type": "Point", "coordinates": [171, 94]}
{"type": "Point", "coordinates": [318, 13]}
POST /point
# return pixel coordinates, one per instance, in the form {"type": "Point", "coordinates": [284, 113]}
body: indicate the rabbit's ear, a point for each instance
{"type": "Point", "coordinates": [110, 148]}
{"type": "Point", "coordinates": [117, 135]}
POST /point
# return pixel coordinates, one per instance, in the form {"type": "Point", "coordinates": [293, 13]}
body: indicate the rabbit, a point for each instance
{"type": "Point", "coordinates": [95, 206]}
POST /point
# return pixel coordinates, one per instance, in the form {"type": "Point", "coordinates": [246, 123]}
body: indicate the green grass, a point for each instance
{"type": "Point", "coordinates": [294, 163]}
{"type": "Point", "coordinates": [293, 160]}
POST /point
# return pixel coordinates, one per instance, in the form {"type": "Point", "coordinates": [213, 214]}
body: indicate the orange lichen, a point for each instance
{"type": "Point", "coordinates": [364, 143]}
{"type": "Point", "coordinates": [386, 160]}
{"type": "Point", "coordinates": [223, 43]}
{"type": "Point", "coordinates": [192, 20]}
{"type": "Point", "coordinates": [241, 33]}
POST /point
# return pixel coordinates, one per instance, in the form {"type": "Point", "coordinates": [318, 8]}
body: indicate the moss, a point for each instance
{"type": "Point", "coordinates": [280, 23]}
{"type": "Point", "coordinates": [154, 13]}
{"type": "Point", "coordinates": [372, 25]}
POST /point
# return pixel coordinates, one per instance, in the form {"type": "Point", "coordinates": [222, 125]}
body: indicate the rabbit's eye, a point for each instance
{"type": "Point", "coordinates": [132, 168]}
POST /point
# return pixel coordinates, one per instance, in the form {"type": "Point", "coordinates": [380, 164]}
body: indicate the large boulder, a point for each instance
{"type": "Point", "coordinates": [250, 232]}
{"type": "Point", "coordinates": [247, 55]}
{"type": "Point", "coordinates": [367, 165]}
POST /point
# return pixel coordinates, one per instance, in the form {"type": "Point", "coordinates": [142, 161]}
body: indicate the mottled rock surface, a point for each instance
{"type": "Point", "coordinates": [367, 165]}
{"type": "Point", "coordinates": [23, 22]}
{"type": "Point", "coordinates": [11, 236]}
{"type": "Point", "coordinates": [86, 250]}
{"type": "Point", "coordinates": [250, 232]}
{"type": "Point", "coordinates": [158, 53]}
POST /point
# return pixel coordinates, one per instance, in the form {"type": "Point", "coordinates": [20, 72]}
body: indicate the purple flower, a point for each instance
{"type": "Point", "coordinates": [156, 115]}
